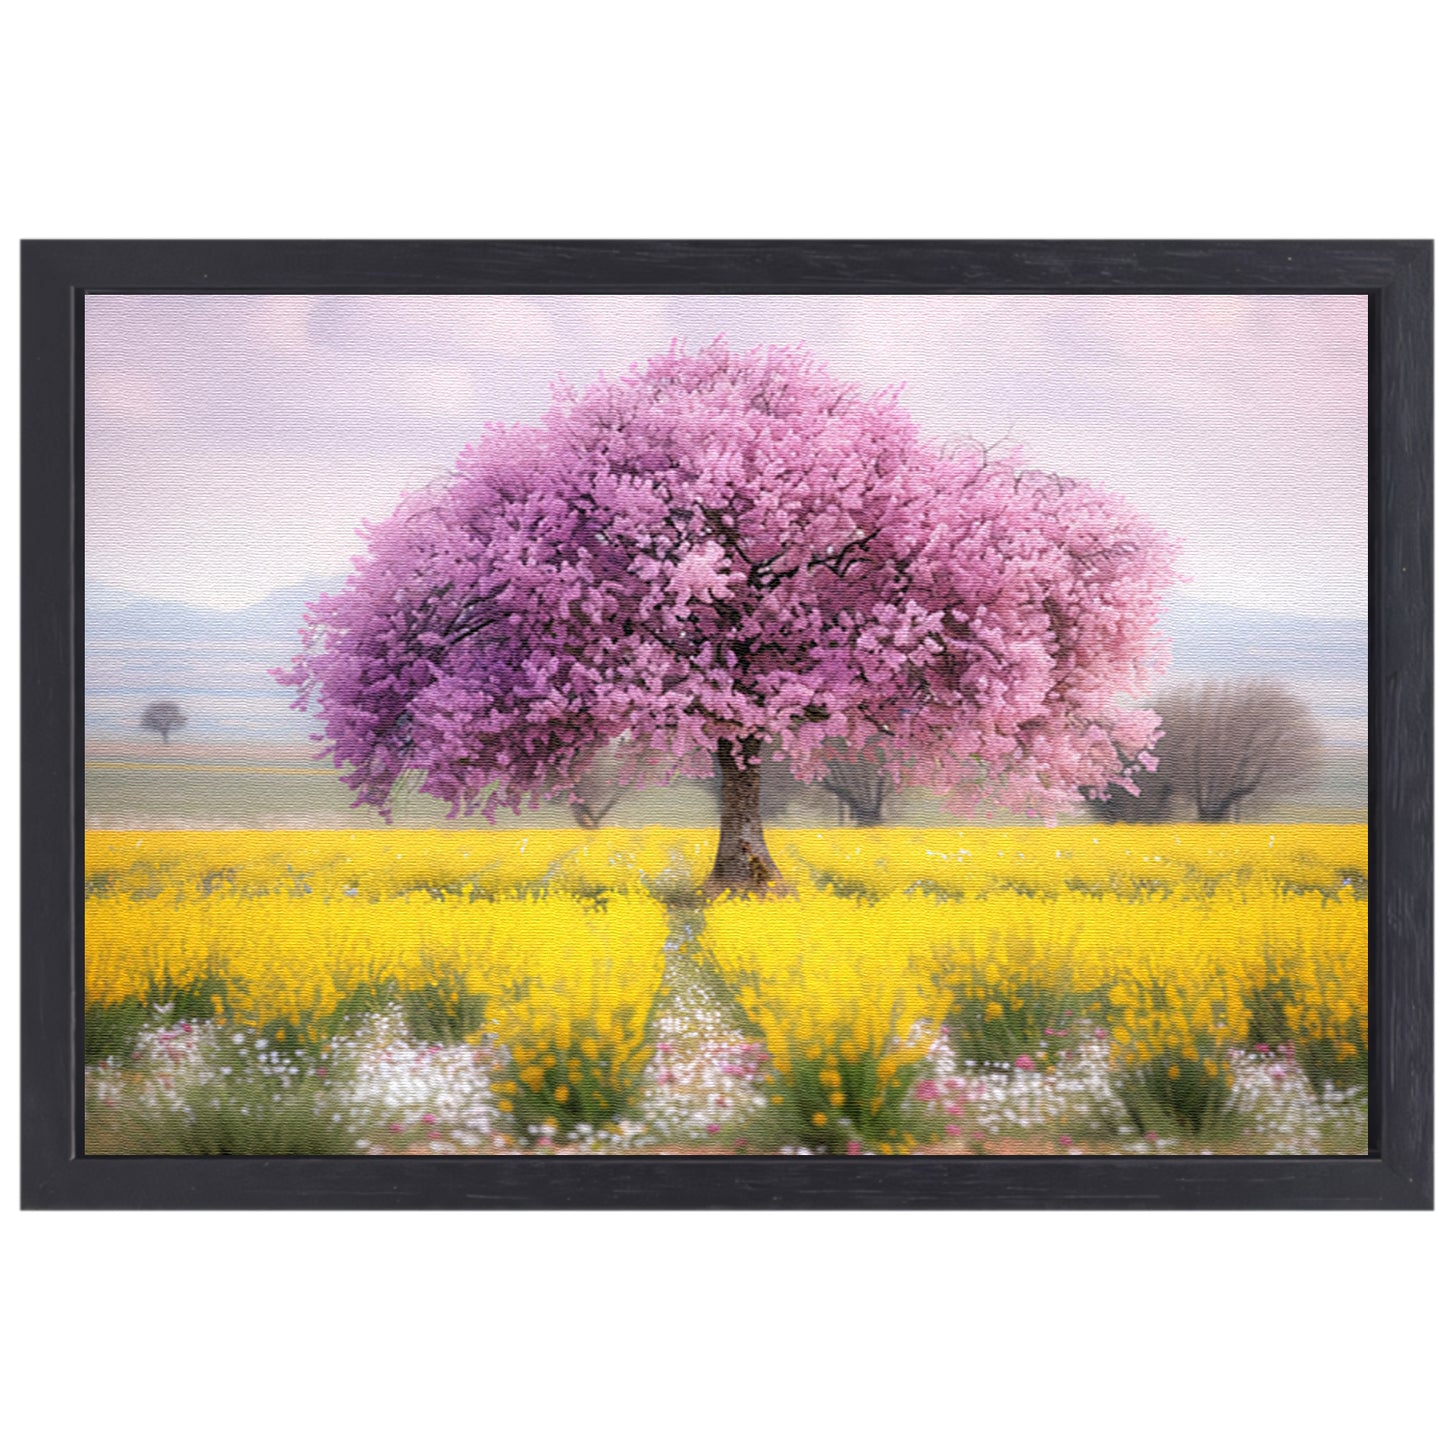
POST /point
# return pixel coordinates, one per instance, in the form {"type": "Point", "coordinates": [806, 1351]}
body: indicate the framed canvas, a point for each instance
{"type": "Point", "coordinates": [894, 725]}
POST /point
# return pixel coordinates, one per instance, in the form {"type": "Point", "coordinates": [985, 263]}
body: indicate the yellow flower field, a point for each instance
{"type": "Point", "coordinates": [1170, 955]}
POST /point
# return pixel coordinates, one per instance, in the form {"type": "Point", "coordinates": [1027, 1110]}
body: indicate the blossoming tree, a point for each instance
{"type": "Point", "coordinates": [720, 548]}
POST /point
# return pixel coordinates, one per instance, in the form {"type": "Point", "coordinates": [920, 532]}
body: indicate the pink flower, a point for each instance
{"type": "Point", "coordinates": [428, 1118]}
{"type": "Point", "coordinates": [1065, 1141]}
{"type": "Point", "coordinates": [1024, 1062]}
{"type": "Point", "coordinates": [854, 1147]}
{"type": "Point", "coordinates": [1151, 1137]}
{"type": "Point", "coordinates": [713, 1128]}
{"type": "Point", "coordinates": [952, 1130]}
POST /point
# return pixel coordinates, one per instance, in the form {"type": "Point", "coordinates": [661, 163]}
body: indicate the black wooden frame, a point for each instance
{"type": "Point", "coordinates": [1396, 275]}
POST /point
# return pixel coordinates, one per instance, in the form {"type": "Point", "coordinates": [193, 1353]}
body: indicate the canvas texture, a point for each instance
{"type": "Point", "coordinates": [767, 725]}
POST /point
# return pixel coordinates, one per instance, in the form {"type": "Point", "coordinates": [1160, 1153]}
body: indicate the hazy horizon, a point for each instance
{"type": "Point", "coordinates": [218, 664]}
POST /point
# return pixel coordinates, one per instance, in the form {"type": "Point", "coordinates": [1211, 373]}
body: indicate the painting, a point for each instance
{"type": "Point", "coordinates": [769, 725]}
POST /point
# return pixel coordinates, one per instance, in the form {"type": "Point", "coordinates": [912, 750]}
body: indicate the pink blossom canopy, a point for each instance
{"type": "Point", "coordinates": [718, 548]}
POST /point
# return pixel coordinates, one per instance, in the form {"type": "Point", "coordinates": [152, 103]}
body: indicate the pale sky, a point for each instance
{"type": "Point", "coordinates": [234, 443]}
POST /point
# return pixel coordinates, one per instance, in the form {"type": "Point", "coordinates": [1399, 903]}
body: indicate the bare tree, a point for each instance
{"type": "Point", "coordinates": [163, 718]}
{"type": "Point", "coordinates": [1238, 743]}
{"type": "Point", "coordinates": [614, 771]}
{"type": "Point", "coordinates": [862, 784]}
{"type": "Point", "coordinates": [1226, 747]}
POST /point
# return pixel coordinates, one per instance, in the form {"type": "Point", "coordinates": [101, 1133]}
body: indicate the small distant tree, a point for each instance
{"type": "Point", "coordinates": [1226, 747]}
{"type": "Point", "coordinates": [862, 784]}
{"type": "Point", "coordinates": [163, 718]}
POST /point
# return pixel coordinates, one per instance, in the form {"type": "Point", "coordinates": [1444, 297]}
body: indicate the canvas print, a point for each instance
{"type": "Point", "coordinates": [682, 724]}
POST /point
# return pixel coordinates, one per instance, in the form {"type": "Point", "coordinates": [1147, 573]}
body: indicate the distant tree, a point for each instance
{"type": "Point", "coordinates": [1241, 742]}
{"type": "Point", "coordinates": [1225, 746]}
{"type": "Point", "coordinates": [862, 784]}
{"type": "Point", "coordinates": [163, 718]}
{"type": "Point", "coordinates": [606, 780]}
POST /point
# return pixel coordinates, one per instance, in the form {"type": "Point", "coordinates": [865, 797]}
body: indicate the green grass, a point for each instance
{"type": "Point", "coordinates": [244, 1102]}
{"type": "Point", "coordinates": [111, 1030]}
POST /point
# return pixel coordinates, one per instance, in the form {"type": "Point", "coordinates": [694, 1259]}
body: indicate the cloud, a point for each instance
{"type": "Point", "coordinates": [121, 395]}
{"type": "Point", "coordinates": [1238, 423]}
{"type": "Point", "coordinates": [484, 325]}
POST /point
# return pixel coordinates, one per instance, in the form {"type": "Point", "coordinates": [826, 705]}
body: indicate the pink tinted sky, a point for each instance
{"type": "Point", "coordinates": [233, 443]}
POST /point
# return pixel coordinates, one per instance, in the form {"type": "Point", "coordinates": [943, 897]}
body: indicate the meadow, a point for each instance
{"type": "Point", "coordinates": [1079, 989]}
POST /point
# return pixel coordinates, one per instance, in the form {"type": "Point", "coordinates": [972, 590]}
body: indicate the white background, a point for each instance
{"type": "Point", "coordinates": [268, 120]}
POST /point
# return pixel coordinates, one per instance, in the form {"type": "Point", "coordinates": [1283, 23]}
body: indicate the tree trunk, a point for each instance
{"type": "Point", "coordinates": [743, 864]}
